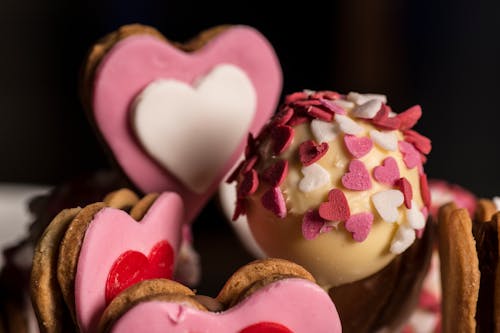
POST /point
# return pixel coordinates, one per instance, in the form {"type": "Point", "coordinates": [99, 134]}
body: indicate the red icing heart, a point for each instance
{"type": "Point", "coordinates": [409, 117]}
{"type": "Point", "coordinates": [383, 121]}
{"type": "Point", "coordinates": [266, 327]}
{"type": "Point", "coordinates": [276, 173]}
{"type": "Point", "coordinates": [358, 147]}
{"type": "Point", "coordinates": [132, 267]}
{"type": "Point", "coordinates": [388, 172]}
{"type": "Point", "coordinates": [336, 208]}
{"type": "Point", "coordinates": [422, 143]}
{"type": "Point", "coordinates": [273, 200]}
{"type": "Point", "coordinates": [282, 136]}
{"type": "Point", "coordinates": [405, 187]}
{"type": "Point", "coordinates": [357, 178]}
{"type": "Point", "coordinates": [310, 151]}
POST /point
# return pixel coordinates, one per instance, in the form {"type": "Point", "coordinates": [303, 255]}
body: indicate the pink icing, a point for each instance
{"type": "Point", "coordinates": [111, 233]}
{"type": "Point", "coordinates": [137, 61]}
{"type": "Point", "coordinates": [297, 304]}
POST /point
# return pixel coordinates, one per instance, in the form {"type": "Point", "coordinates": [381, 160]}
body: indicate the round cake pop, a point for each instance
{"type": "Point", "coordinates": [335, 183]}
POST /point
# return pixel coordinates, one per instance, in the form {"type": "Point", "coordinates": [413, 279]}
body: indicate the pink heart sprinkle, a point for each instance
{"type": "Point", "coordinates": [273, 200]}
{"type": "Point", "coordinates": [276, 173]}
{"type": "Point", "coordinates": [319, 113]}
{"type": "Point", "coordinates": [282, 136]}
{"type": "Point", "coordinates": [411, 156]}
{"type": "Point", "coordinates": [249, 184]}
{"type": "Point", "coordinates": [359, 225]}
{"type": "Point", "coordinates": [332, 106]}
{"type": "Point", "coordinates": [424, 189]}
{"type": "Point", "coordinates": [388, 172]}
{"type": "Point", "coordinates": [240, 208]}
{"type": "Point", "coordinates": [312, 224]}
{"type": "Point", "coordinates": [405, 187]}
{"type": "Point", "coordinates": [296, 96]}
{"type": "Point", "coordinates": [409, 117]}
{"type": "Point", "coordinates": [336, 208]}
{"type": "Point", "coordinates": [422, 143]}
{"type": "Point", "coordinates": [310, 151]}
{"type": "Point", "coordinates": [357, 178]}
{"type": "Point", "coordinates": [326, 94]}
{"type": "Point", "coordinates": [383, 121]}
{"type": "Point", "coordinates": [358, 147]}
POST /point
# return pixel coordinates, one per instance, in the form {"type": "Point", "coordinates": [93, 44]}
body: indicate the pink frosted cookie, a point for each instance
{"type": "Point", "coordinates": [265, 296]}
{"type": "Point", "coordinates": [175, 116]}
{"type": "Point", "coordinates": [87, 256]}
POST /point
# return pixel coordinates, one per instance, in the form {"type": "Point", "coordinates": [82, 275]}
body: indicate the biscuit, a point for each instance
{"type": "Point", "coordinates": [485, 209]}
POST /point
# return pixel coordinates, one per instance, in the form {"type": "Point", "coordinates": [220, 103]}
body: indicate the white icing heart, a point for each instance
{"type": "Point", "coordinates": [348, 126]}
{"type": "Point", "coordinates": [315, 176]}
{"type": "Point", "coordinates": [363, 98]}
{"type": "Point", "coordinates": [415, 218]}
{"type": "Point", "coordinates": [367, 110]}
{"type": "Point", "coordinates": [385, 140]}
{"type": "Point", "coordinates": [386, 203]}
{"type": "Point", "coordinates": [192, 131]}
{"type": "Point", "coordinates": [324, 131]}
{"type": "Point", "coordinates": [404, 237]}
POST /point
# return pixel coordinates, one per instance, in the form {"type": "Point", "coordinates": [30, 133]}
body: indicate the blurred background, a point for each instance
{"type": "Point", "coordinates": [443, 55]}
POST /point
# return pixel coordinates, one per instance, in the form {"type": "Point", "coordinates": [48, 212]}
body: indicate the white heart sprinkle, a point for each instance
{"type": "Point", "coordinates": [344, 104]}
{"type": "Point", "coordinates": [387, 203]}
{"type": "Point", "coordinates": [386, 140]}
{"type": "Point", "coordinates": [496, 201]}
{"type": "Point", "coordinates": [404, 237]}
{"type": "Point", "coordinates": [367, 110]}
{"type": "Point", "coordinates": [347, 125]}
{"type": "Point", "coordinates": [324, 131]}
{"type": "Point", "coordinates": [415, 218]}
{"type": "Point", "coordinates": [315, 176]}
{"type": "Point", "coordinates": [363, 98]}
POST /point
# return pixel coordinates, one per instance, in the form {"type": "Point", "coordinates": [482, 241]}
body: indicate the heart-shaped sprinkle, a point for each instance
{"type": "Point", "coordinates": [411, 156]}
{"type": "Point", "coordinates": [388, 172]}
{"type": "Point", "coordinates": [296, 96]}
{"type": "Point", "coordinates": [336, 208]}
{"type": "Point", "coordinates": [283, 116]}
{"type": "Point", "coordinates": [249, 163]}
{"type": "Point", "coordinates": [358, 146]}
{"type": "Point", "coordinates": [385, 140]}
{"type": "Point", "coordinates": [422, 143]}
{"type": "Point", "coordinates": [410, 117]}
{"type": "Point", "coordinates": [425, 212]}
{"type": "Point", "coordinates": [415, 218]}
{"type": "Point", "coordinates": [326, 94]}
{"type": "Point", "coordinates": [383, 119]}
{"type": "Point", "coordinates": [312, 224]}
{"type": "Point", "coordinates": [324, 131]}
{"type": "Point", "coordinates": [344, 104]}
{"type": "Point", "coordinates": [348, 126]}
{"type": "Point", "coordinates": [367, 110]}
{"type": "Point", "coordinates": [359, 225]}
{"type": "Point", "coordinates": [386, 203]}
{"type": "Point", "coordinates": [132, 267]}
{"type": "Point", "coordinates": [404, 237]}
{"type": "Point", "coordinates": [306, 103]}
{"type": "Point", "coordinates": [297, 120]}
{"type": "Point", "coordinates": [266, 327]}
{"type": "Point", "coordinates": [315, 176]}
{"type": "Point", "coordinates": [319, 113]}
{"type": "Point", "coordinates": [404, 186]}
{"type": "Point", "coordinates": [363, 98]}
{"type": "Point", "coordinates": [282, 136]}
{"type": "Point", "coordinates": [357, 178]}
{"type": "Point", "coordinates": [273, 200]}
{"type": "Point", "coordinates": [310, 151]}
{"type": "Point", "coordinates": [276, 173]}
{"type": "Point", "coordinates": [331, 106]}
{"type": "Point", "coordinates": [249, 184]}
{"type": "Point", "coordinates": [424, 190]}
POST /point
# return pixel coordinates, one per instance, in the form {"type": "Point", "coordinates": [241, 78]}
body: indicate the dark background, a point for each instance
{"type": "Point", "coordinates": [442, 55]}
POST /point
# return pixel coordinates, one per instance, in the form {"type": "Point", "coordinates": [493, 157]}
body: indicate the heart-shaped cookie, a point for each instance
{"type": "Point", "coordinates": [175, 117]}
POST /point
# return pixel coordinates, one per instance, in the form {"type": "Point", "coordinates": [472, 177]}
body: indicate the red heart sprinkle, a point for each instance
{"type": "Point", "coordinates": [405, 187]}
{"type": "Point", "coordinates": [312, 224]}
{"type": "Point", "coordinates": [388, 172]}
{"type": "Point", "coordinates": [331, 95]}
{"type": "Point", "coordinates": [295, 97]}
{"type": "Point", "coordinates": [332, 106]}
{"type": "Point", "coordinates": [358, 147]}
{"type": "Point", "coordinates": [249, 184]}
{"type": "Point", "coordinates": [424, 189]}
{"type": "Point", "coordinates": [429, 301]}
{"type": "Point", "coordinates": [276, 173]}
{"type": "Point", "coordinates": [132, 267]}
{"type": "Point", "coordinates": [266, 327]}
{"type": "Point", "coordinates": [336, 208]}
{"type": "Point", "coordinates": [422, 143]}
{"type": "Point", "coordinates": [249, 164]}
{"type": "Point", "coordinates": [304, 104]}
{"type": "Point", "coordinates": [357, 178]}
{"type": "Point", "coordinates": [297, 120]}
{"type": "Point", "coordinates": [359, 225]}
{"type": "Point", "coordinates": [310, 151]}
{"type": "Point", "coordinates": [383, 121]}
{"type": "Point", "coordinates": [240, 208]}
{"type": "Point", "coordinates": [283, 116]}
{"type": "Point", "coordinates": [319, 113]}
{"type": "Point", "coordinates": [282, 136]}
{"type": "Point", "coordinates": [411, 156]}
{"type": "Point", "coordinates": [273, 200]}
{"type": "Point", "coordinates": [409, 117]}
